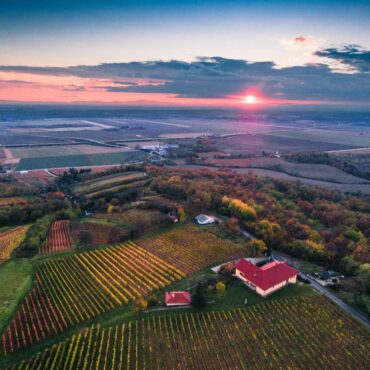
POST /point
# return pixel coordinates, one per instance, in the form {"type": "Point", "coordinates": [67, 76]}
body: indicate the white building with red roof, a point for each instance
{"type": "Point", "coordinates": [267, 278]}
{"type": "Point", "coordinates": [182, 298]}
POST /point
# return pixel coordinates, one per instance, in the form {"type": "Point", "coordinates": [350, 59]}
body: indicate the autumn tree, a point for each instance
{"type": "Point", "coordinates": [257, 245]}
{"type": "Point", "coordinates": [231, 226]}
{"type": "Point", "coordinates": [220, 288]}
{"type": "Point", "coordinates": [141, 304]}
{"type": "Point", "coordinates": [181, 214]}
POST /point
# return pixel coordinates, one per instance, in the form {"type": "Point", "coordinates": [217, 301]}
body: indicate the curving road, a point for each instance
{"type": "Point", "coordinates": [359, 316]}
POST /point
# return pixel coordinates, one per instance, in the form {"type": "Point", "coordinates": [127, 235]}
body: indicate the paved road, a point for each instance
{"type": "Point", "coordinates": [356, 314]}
{"type": "Point", "coordinates": [350, 310]}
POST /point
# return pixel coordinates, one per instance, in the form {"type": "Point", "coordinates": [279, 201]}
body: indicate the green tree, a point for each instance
{"type": "Point", "coordinates": [198, 299]}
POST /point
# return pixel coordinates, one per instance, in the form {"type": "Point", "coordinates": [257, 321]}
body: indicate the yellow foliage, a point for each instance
{"type": "Point", "coordinates": [175, 180]}
{"type": "Point", "coordinates": [141, 304]}
{"type": "Point", "coordinates": [314, 245]}
{"type": "Point", "coordinates": [220, 287]}
{"type": "Point", "coordinates": [181, 214]}
{"type": "Point", "coordinates": [240, 206]}
{"type": "Point", "coordinates": [10, 240]}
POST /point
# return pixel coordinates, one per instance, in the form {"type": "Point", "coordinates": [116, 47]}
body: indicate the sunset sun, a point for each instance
{"type": "Point", "coordinates": [250, 99]}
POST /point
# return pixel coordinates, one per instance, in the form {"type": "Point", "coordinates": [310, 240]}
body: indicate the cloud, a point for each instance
{"type": "Point", "coordinates": [351, 55]}
{"type": "Point", "coordinates": [300, 39]}
{"type": "Point", "coordinates": [306, 44]}
{"type": "Point", "coordinates": [74, 88]}
{"type": "Point", "coordinates": [217, 77]}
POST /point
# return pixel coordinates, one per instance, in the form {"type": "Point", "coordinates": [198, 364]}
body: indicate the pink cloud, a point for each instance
{"type": "Point", "coordinates": [300, 39]}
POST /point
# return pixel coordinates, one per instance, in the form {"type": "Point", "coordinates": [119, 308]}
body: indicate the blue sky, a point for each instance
{"type": "Point", "coordinates": [288, 34]}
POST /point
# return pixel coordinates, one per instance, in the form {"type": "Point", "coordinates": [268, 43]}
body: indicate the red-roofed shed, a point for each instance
{"type": "Point", "coordinates": [178, 298]}
{"type": "Point", "coordinates": [268, 278]}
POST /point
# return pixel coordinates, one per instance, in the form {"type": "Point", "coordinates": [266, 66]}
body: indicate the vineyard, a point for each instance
{"type": "Point", "coordinates": [10, 240]}
{"type": "Point", "coordinates": [59, 238]}
{"type": "Point", "coordinates": [136, 217]}
{"type": "Point", "coordinates": [190, 249]}
{"type": "Point", "coordinates": [292, 333]}
{"type": "Point", "coordinates": [77, 288]}
{"type": "Point", "coordinates": [98, 187]}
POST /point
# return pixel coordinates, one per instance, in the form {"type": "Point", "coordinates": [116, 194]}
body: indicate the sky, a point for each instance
{"type": "Point", "coordinates": [198, 53]}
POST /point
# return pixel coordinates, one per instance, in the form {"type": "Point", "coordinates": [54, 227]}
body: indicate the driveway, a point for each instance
{"type": "Point", "coordinates": [350, 310]}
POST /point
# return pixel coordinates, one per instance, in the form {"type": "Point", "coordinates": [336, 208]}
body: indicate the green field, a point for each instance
{"type": "Point", "coordinates": [15, 281]}
{"type": "Point", "coordinates": [79, 160]}
{"type": "Point", "coordinates": [57, 150]}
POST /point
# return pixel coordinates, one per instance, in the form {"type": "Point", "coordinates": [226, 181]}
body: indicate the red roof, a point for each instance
{"type": "Point", "coordinates": [267, 276]}
{"type": "Point", "coordinates": [178, 298]}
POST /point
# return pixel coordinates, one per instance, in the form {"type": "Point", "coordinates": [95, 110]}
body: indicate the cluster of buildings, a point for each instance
{"type": "Point", "coordinates": [159, 150]}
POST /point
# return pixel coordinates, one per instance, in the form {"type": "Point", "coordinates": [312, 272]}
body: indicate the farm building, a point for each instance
{"type": "Point", "coordinates": [178, 298]}
{"type": "Point", "coordinates": [267, 278]}
{"type": "Point", "coordinates": [205, 220]}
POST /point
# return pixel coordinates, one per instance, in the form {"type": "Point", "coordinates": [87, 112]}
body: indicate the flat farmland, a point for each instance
{"type": "Point", "coordinates": [346, 138]}
{"type": "Point", "coordinates": [255, 144]}
{"type": "Point", "coordinates": [310, 171]}
{"type": "Point", "coordinates": [58, 150]}
{"type": "Point", "coordinates": [80, 160]}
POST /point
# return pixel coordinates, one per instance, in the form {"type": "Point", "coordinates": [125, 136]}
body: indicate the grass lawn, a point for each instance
{"type": "Point", "coordinates": [236, 292]}
{"type": "Point", "coordinates": [15, 282]}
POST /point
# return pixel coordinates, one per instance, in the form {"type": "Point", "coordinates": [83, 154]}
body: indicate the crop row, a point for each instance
{"type": "Point", "coordinates": [107, 182]}
{"type": "Point", "coordinates": [77, 288]}
{"type": "Point", "coordinates": [59, 238]}
{"type": "Point", "coordinates": [294, 333]}
{"type": "Point", "coordinates": [191, 249]}
{"type": "Point", "coordinates": [10, 240]}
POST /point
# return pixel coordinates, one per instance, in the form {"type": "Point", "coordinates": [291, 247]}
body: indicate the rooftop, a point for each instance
{"type": "Point", "coordinates": [267, 276]}
{"type": "Point", "coordinates": [178, 298]}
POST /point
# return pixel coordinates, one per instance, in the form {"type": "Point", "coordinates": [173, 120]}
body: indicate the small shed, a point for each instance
{"type": "Point", "coordinates": [181, 298]}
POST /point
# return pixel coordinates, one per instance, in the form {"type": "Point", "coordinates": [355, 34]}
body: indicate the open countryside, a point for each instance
{"type": "Point", "coordinates": [185, 185]}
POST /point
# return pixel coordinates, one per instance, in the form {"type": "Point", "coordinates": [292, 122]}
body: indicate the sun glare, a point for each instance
{"type": "Point", "coordinates": [250, 99]}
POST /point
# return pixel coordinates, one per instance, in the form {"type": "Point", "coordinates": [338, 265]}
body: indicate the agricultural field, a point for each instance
{"type": "Point", "coordinates": [136, 217]}
{"type": "Point", "coordinates": [10, 240]}
{"type": "Point", "coordinates": [61, 150]}
{"type": "Point", "coordinates": [291, 333]}
{"type": "Point", "coordinates": [59, 239]}
{"type": "Point", "coordinates": [8, 201]}
{"type": "Point", "coordinates": [339, 137]}
{"type": "Point", "coordinates": [190, 249]}
{"type": "Point", "coordinates": [2, 155]}
{"type": "Point", "coordinates": [107, 182]}
{"type": "Point", "coordinates": [96, 169]}
{"type": "Point", "coordinates": [269, 143]}
{"type": "Point", "coordinates": [101, 233]}
{"type": "Point", "coordinates": [78, 288]}
{"type": "Point", "coordinates": [305, 170]}
{"type": "Point", "coordinates": [112, 191]}
{"type": "Point", "coordinates": [80, 160]}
